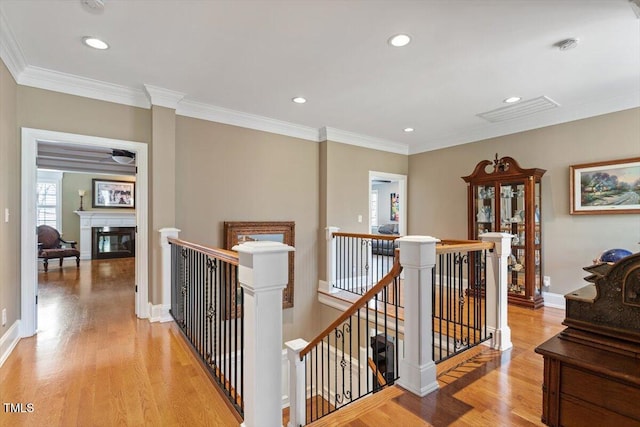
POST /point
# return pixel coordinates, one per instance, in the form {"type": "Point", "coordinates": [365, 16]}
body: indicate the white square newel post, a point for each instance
{"type": "Point", "coordinates": [417, 368]}
{"type": "Point", "coordinates": [263, 273]}
{"type": "Point", "coordinates": [330, 279]}
{"type": "Point", "coordinates": [496, 289]}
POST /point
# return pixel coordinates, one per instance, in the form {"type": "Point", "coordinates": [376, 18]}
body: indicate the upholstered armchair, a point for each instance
{"type": "Point", "coordinates": [50, 245]}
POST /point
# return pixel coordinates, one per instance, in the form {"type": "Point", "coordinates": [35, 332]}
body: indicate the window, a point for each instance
{"type": "Point", "coordinates": [374, 208]}
{"type": "Point", "coordinates": [48, 206]}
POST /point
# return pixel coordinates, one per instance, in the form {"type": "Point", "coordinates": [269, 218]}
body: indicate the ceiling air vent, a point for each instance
{"type": "Point", "coordinates": [521, 109]}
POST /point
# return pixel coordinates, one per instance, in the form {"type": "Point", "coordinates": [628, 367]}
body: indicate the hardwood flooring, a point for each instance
{"type": "Point", "coordinates": [94, 364]}
{"type": "Point", "coordinates": [493, 389]}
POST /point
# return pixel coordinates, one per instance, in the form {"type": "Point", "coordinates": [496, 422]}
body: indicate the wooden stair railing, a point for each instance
{"type": "Point", "coordinates": [360, 303]}
{"type": "Point", "coordinates": [355, 355]}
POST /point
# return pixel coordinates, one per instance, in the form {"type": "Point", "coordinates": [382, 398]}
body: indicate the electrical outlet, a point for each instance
{"type": "Point", "coordinates": [6, 214]}
{"type": "Point", "coordinates": [546, 281]}
{"type": "Point", "coordinates": [4, 316]}
{"type": "Point", "coordinates": [359, 218]}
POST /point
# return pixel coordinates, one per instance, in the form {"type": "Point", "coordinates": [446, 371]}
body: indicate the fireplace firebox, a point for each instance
{"type": "Point", "coordinates": [113, 242]}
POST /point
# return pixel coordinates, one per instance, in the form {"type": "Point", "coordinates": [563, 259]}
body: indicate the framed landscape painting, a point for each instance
{"type": "Point", "coordinates": [610, 187]}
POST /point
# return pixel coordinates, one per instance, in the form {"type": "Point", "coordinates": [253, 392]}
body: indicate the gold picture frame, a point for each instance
{"type": "Point", "coordinates": [279, 231]}
{"type": "Point", "coordinates": [609, 187]}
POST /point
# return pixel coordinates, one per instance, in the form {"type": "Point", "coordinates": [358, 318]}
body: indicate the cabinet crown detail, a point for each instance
{"type": "Point", "coordinates": [503, 168]}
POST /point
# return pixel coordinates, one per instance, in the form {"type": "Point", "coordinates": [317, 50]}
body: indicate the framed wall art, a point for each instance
{"type": "Point", "coordinates": [274, 231]}
{"type": "Point", "coordinates": [610, 187]}
{"type": "Point", "coordinates": [395, 207]}
{"type": "Point", "coordinates": [113, 194]}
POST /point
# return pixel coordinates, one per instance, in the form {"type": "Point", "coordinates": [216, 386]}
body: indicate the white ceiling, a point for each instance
{"type": "Point", "coordinates": [241, 62]}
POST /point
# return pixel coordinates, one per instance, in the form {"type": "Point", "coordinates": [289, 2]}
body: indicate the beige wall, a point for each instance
{"type": "Point", "coordinates": [71, 183]}
{"type": "Point", "coordinates": [344, 177]}
{"type": "Point", "coordinates": [43, 109]}
{"type": "Point", "coordinates": [227, 173]}
{"type": "Point", "coordinates": [438, 204]}
{"type": "Point", "coordinates": [9, 199]}
{"type": "Point", "coordinates": [347, 173]}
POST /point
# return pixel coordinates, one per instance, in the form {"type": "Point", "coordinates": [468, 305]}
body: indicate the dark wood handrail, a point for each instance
{"type": "Point", "coordinates": [445, 246]}
{"type": "Point", "coordinates": [368, 236]}
{"type": "Point", "coordinates": [225, 255]}
{"type": "Point", "coordinates": [360, 302]}
{"type": "Point", "coordinates": [372, 365]}
{"type": "Point", "coordinates": [448, 246]}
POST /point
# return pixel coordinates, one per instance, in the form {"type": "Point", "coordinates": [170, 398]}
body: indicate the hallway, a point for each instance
{"type": "Point", "coordinates": [93, 363]}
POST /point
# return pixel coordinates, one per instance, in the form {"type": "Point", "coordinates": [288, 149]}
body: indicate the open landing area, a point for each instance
{"type": "Point", "coordinates": [94, 364]}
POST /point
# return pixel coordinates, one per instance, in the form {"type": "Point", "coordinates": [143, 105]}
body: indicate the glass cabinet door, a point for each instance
{"type": "Point", "coordinates": [537, 243]}
{"type": "Point", "coordinates": [485, 209]}
{"type": "Point", "coordinates": [513, 221]}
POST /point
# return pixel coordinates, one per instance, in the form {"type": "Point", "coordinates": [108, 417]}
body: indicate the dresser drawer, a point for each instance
{"type": "Point", "coordinates": [600, 391]}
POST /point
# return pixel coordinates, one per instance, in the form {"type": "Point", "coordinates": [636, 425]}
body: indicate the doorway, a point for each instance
{"type": "Point", "coordinates": [388, 202]}
{"type": "Point", "coordinates": [29, 262]}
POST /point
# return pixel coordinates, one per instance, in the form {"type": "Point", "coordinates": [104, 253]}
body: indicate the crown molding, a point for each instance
{"type": "Point", "coordinates": [10, 51]}
{"type": "Point", "coordinates": [82, 86]}
{"type": "Point", "coordinates": [345, 137]}
{"type": "Point", "coordinates": [163, 97]}
{"type": "Point", "coordinates": [212, 113]}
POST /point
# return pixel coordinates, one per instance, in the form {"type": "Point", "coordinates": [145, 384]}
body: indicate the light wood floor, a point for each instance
{"type": "Point", "coordinates": [494, 389]}
{"type": "Point", "coordinates": [94, 364]}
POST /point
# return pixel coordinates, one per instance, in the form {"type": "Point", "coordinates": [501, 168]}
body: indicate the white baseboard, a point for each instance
{"type": "Point", "coordinates": [553, 300]}
{"type": "Point", "coordinates": [159, 313]}
{"type": "Point", "coordinates": [9, 341]}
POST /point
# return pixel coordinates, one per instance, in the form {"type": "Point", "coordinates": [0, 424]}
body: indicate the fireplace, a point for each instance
{"type": "Point", "coordinates": [113, 242]}
{"type": "Point", "coordinates": [92, 219]}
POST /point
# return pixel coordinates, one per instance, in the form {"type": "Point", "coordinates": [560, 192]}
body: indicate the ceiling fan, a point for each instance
{"type": "Point", "coordinates": [123, 156]}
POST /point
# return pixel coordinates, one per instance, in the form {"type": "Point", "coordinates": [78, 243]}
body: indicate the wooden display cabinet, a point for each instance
{"type": "Point", "coordinates": [503, 197]}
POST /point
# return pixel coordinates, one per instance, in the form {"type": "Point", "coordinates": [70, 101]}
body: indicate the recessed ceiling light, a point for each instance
{"type": "Point", "coordinates": [95, 43]}
{"type": "Point", "coordinates": [409, 129]}
{"type": "Point", "coordinates": [399, 40]}
{"type": "Point", "coordinates": [512, 99]}
{"type": "Point", "coordinates": [299, 100]}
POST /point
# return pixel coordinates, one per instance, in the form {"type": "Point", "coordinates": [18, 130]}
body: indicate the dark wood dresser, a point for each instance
{"type": "Point", "coordinates": [592, 368]}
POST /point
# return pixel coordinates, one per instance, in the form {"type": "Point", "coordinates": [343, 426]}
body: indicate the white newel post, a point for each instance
{"type": "Point", "coordinates": [496, 290]}
{"type": "Point", "coordinates": [331, 260]}
{"type": "Point", "coordinates": [263, 273]}
{"type": "Point", "coordinates": [297, 398]}
{"type": "Point", "coordinates": [417, 368]}
{"type": "Point", "coordinates": [166, 233]}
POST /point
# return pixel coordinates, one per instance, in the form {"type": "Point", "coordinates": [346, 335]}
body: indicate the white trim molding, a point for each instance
{"type": "Point", "coordinates": [163, 97]}
{"type": "Point", "coordinates": [213, 113]}
{"type": "Point", "coordinates": [9, 340]}
{"type": "Point", "coordinates": [160, 313]}
{"type": "Point", "coordinates": [345, 137]}
{"type": "Point", "coordinates": [82, 86]}
{"type": "Point", "coordinates": [553, 300]}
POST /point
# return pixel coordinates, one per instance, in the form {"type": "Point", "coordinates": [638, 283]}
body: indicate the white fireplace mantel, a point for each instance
{"type": "Point", "coordinates": [91, 219]}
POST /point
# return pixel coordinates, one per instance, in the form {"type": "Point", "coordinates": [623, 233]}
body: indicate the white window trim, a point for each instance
{"type": "Point", "coordinates": [56, 178]}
